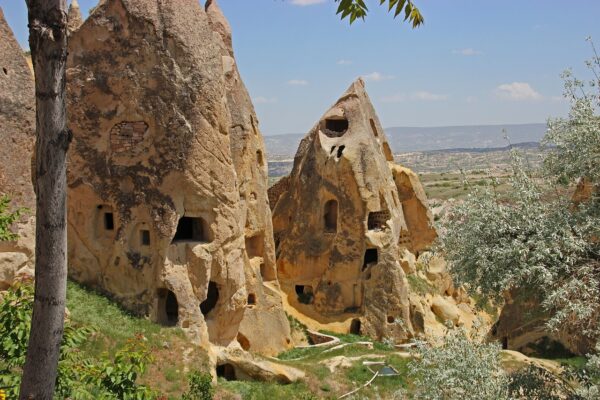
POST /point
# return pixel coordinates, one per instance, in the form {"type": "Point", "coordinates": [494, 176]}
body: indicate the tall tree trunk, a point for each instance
{"type": "Point", "coordinates": [48, 45]}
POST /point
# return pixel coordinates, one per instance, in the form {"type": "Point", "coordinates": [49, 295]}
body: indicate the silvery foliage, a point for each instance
{"type": "Point", "coordinates": [590, 390]}
{"type": "Point", "coordinates": [576, 139]}
{"type": "Point", "coordinates": [537, 239]}
{"type": "Point", "coordinates": [460, 366]}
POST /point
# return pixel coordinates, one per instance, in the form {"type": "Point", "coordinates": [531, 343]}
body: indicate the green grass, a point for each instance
{"type": "Point", "coordinates": [110, 322]}
{"type": "Point", "coordinates": [343, 380]}
{"type": "Point", "coordinates": [268, 391]}
{"type": "Point", "coordinates": [419, 285]}
{"type": "Point", "coordinates": [578, 363]}
{"type": "Point", "coordinates": [113, 326]}
{"type": "Point", "coordinates": [360, 374]}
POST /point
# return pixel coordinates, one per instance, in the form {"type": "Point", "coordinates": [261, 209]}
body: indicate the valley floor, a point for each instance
{"type": "Point", "coordinates": [330, 371]}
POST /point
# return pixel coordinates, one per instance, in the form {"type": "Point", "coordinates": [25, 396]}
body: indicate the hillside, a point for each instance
{"type": "Point", "coordinates": [408, 139]}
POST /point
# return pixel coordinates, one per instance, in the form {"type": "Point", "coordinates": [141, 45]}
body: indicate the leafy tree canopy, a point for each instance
{"type": "Point", "coordinates": [355, 9]}
{"type": "Point", "coordinates": [538, 240]}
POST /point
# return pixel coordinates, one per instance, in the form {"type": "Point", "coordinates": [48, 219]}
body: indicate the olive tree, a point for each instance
{"type": "Point", "coordinates": [537, 239]}
{"type": "Point", "coordinates": [460, 366]}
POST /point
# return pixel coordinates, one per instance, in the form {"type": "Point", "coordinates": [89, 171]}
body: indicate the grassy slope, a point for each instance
{"type": "Point", "coordinates": [113, 326]}
{"type": "Point", "coordinates": [174, 356]}
{"type": "Point", "coordinates": [323, 384]}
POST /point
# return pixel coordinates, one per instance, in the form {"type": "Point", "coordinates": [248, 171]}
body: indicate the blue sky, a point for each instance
{"type": "Point", "coordinates": [473, 62]}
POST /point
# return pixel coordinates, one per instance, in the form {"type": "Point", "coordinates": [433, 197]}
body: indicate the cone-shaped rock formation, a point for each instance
{"type": "Point", "coordinates": [154, 197]}
{"type": "Point", "coordinates": [74, 17]}
{"type": "Point", "coordinates": [264, 312]}
{"type": "Point", "coordinates": [343, 219]}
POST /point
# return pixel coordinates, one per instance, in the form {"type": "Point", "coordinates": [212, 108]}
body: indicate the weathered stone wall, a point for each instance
{"type": "Point", "coordinates": [279, 188]}
{"type": "Point", "coordinates": [264, 312]}
{"type": "Point", "coordinates": [127, 136]}
{"type": "Point", "coordinates": [154, 215]}
{"type": "Point", "coordinates": [17, 120]}
{"type": "Point", "coordinates": [17, 138]}
{"type": "Point", "coordinates": [419, 219]}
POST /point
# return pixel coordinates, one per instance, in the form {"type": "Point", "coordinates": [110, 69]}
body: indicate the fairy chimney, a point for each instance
{"type": "Point", "coordinates": [153, 192]}
{"type": "Point", "coordinates": [342, 223]}
{"type": "Point", "coordinates": [74, 19]}
{"type": "Point", "coordinates": [264, 312]}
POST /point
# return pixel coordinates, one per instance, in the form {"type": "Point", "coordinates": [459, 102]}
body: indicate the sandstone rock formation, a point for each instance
{"type": "Point", "coordinates": [265, 311]}
{"type": "Point", "coordinates": [74, 17]}
{"type": "Point", "coordinates": [522, 326]}
{"type": "Point", "coordinates": [342, 220]}
{"type": "Point", "coordinates": [17, 135]}
{"type": "Point", "coordinates": [235, 364]}
{"type": "Point", "coordinates": [154, 197]}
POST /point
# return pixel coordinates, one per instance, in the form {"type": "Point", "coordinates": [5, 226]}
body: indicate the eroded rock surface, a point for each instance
{"type": "Point", "coordinates": [344, 218]}
{"type": "Point", "coordinates": [74, 17]}
{"type": "Point", "coordinates": [522, 326]}
{"type": "Point", "coordinates": [235, 364]}
{"type": "Point", "coordinates": [264, 313]}
{"type": "Point", "coordinates": [17, 135]}
{"type": "Point", "coordinates": [154, 215]}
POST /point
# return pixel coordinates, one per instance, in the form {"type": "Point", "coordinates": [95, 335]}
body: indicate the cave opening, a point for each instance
{"type": "Point", "coordinates": [109, 221]}
{"type": "Point", "coordinates": [371, 257]}
{"type": "Point", "coordinates": [168, 307]}
{"type": "Point", "coordinates": [212, 298]}
{"type": "Point", "coordinates": [330, 216]}
{"type": "Point", "coordinates": [355, 326]}
{"type": "Point", "coordinates": [226, 371]}
{"type": "Point", "coordinates": [192, 229]}
{"type": "Point", "coordinates": [337, 125]}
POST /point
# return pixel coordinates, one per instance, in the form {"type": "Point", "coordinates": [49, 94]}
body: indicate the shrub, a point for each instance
{"type": "Point", "coordinates": [201, 387]}
{"type": "Point", "coordinates": [7, 218]}
{"type": "Point", "coordinates": [534, 383]}
{"type": "Point", "coordinates": [590, 381]}
{"type": "Point", "coordinates": [459, 367]}
{"type": "Point", "coordinates": [78, 378]}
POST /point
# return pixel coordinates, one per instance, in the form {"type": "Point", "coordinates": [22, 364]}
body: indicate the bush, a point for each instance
{"type": "Point", "coordinates": [78, 377]}
{"type": "Point", "coordinates": [590, 381]}
{"type": "Point", "coordinates": [7, 218]}
{"type": "Point", "coordinates": [533, 383]}
{"type": "Point", "coordinates": [459, 367]}
{"type": "Point", "coordinates": [201, 387]}
{"type": "Point", "coordinates": [537, 240]}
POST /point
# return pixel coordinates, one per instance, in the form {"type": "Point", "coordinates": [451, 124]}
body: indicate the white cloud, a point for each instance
{"type": "Point", "coordinates": [377, 77]}
{"type": "Point", "coordinates": [344, 62]}
{"type": "Point", "coordinates": [307, 2]}
{"type": "Point", "coordinates": [264, 100]}
{"type": "Point", "coordinates": [395, 98]}
{"type": "Point", "coordinates": [420, 95]}
{"type": "Point", "coordinates": [517, 91]}
{"type": "Point", "coordinates": [297, 82]}
{"type": "Point", "coordinates": [467, 52]}
{"type": "Point", "coordinates": [428, 96]}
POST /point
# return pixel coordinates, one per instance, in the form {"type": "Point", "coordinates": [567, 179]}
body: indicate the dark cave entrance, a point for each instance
{"type": "Point", "coordinates": [355, 326]}
{"type": "Point", "coordinates": [212, 297]}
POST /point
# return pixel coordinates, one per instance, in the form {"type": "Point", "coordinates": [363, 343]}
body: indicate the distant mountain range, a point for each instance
{"type": "Point", "coordinates": [407, 139]}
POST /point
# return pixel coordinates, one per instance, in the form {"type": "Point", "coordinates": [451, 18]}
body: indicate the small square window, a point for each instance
{"type": "Point", "coordinates": [145, 237]}
{"type": "Point", "coordinates": [109, 221]}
